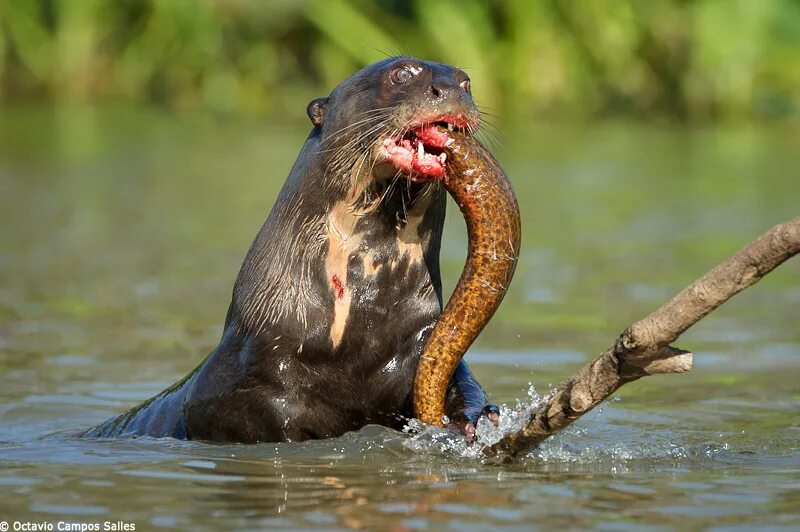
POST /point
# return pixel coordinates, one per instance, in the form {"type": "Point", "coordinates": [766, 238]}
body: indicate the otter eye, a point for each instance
{"type": "Point", "coordinates": [465, 85]}
{"type": "Point", "coordinates": [401, 75]}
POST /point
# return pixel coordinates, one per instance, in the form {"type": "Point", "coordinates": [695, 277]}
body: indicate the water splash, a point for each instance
{"type": "Point", "coordinates": [597, 442]}
{"type": "Point", "coordinates": [429, 439]}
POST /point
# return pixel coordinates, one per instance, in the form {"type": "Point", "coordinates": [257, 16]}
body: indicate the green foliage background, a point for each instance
{"type": "Point", "coordinates": [683, 59]}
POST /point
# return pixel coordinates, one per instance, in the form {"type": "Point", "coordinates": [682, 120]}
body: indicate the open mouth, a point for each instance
{"type": "Point", "coordinates": [420, 153]}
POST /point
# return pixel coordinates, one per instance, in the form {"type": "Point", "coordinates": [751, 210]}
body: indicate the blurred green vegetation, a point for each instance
{"type": "Point", "coordinates": [682, 59]}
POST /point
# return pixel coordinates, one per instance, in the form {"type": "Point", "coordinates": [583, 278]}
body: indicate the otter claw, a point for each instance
{"type": "Point", "coordinates": [469, 432]}
{"type": "Point", "coordinates": [492, 413]}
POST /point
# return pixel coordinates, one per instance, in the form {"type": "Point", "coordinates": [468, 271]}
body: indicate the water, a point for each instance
{"type": "Point", "coordinates": [123, 229]}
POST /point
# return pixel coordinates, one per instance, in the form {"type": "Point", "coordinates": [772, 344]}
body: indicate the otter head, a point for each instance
{"type": "Point", "coordinates": [381, 123]}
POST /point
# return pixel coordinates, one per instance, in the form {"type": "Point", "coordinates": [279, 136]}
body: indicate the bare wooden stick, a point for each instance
{"type": "Point", "coordinates": [643, 348]}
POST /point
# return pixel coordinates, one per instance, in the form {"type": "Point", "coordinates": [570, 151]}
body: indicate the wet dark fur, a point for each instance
{"type": "Point", "coordinates": [276, 374]}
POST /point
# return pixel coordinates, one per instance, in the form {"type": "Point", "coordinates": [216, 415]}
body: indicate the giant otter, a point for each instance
{"type": "Point", "coordinates": [341, 287]}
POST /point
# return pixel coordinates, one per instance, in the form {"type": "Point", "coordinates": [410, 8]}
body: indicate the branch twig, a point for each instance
{"type": "Point", "coordinates": [643, 348]}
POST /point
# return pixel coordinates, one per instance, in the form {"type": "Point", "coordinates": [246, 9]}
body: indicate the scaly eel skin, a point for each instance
{"type": "Point", "coordinates": [477, 182]}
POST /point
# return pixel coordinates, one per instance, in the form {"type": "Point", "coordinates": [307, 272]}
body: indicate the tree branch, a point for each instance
{"type": "Point", "coordinates": [643, 348]}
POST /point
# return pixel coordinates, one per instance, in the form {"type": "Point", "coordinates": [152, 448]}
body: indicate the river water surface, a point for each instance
{"type": "Point", "coordinates": [122, 231]}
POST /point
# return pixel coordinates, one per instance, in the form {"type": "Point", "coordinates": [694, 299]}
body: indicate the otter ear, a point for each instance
{"type": "Point", "coordinates": [316, 111]}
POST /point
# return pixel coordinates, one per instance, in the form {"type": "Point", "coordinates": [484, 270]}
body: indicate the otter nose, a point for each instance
{"type": "Point", "coordinates": [443, 89]}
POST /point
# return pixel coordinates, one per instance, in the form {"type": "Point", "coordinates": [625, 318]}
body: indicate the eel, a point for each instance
{"type": "Point", "coordinates": [481, 188]}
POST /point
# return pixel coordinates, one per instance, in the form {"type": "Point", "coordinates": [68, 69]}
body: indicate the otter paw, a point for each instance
{"type": "Point", "coordinates": [490, 412]}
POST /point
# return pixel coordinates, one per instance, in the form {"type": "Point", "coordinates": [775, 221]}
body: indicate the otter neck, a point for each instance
{"type": "Point", "coordinates": [400, 222]}
{"type": "Point", "coordinates": [385, 248]}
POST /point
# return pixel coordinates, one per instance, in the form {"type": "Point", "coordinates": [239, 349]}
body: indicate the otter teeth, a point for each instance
{"type": "Point", "coordinates": [450, 126]}
{"type": "Point", "coordinates": [420, 150]}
